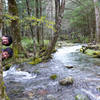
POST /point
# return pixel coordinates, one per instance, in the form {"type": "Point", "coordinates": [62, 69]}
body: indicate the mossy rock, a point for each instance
{"type": "Point", "coordinates": [81, 97]}
{"type": "Point", "coordinates": [93, 53]}
{"type": "Point", "coordinates": [36, 71]}
{"type": "Point", "coordinates": [83, 49]}
{"type": "Point", "coordinates": [90, 52]}
{"type": "Point", "coordinates": [53, 77]}
{"type": "Point", "coordinates": [97, 54]}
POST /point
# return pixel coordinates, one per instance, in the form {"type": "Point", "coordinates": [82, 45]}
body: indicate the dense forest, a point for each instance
{"type": "Point", "coordinates": [50, 33]}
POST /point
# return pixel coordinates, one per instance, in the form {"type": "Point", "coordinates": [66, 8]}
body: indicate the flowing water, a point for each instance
{"type": "Point", "coordinates": [28, 82]}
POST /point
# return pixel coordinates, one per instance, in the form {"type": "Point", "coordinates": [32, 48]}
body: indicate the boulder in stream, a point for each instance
{"type": "Point", "coordinates": [66, 81]}
{"type": "Point", "coordinates": [69, 67]}
{"type": "Point", "coordinates": [98, 88]}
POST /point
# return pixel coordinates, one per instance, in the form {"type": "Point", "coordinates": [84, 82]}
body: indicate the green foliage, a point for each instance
{"type": "Point", "coordinates": [26, 42]}
{"type": "Point", "coordinates": [27, 20]}
{"type": "Point", "coordinates": [36, 61]}
{"type": "Point", "coordinates": [81, 17]}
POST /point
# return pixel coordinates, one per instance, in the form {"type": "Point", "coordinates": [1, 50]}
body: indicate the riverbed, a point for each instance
{"type": "Point", "coordinates": [28, 82]}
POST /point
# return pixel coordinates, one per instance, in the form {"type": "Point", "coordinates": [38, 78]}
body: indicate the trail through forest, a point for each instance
{"type": "Point", "coordinates": [27, 82]}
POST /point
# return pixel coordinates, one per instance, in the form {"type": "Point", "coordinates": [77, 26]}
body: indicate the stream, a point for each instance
{"type": "Point", "coordinates": [28, 82]}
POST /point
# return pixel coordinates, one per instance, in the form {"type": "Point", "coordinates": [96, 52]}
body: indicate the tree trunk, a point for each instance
{"type": "Point", "coordinates": [59, 11]}
{"type": "Point", "coordinates": [41, 27]}
{"type": "Point", "coordinates": [97, 16]}
{"type": "Point", "coordinates": [15, 30]}
{"type": "Point", "coordinates": [37, 16]}
{"type": "Point", "coordinates": [3, 95]}
{"type": "Point", "coordinates": [31, 29]}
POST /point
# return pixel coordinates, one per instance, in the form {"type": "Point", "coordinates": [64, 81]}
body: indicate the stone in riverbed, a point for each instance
{"type": "Point", "coordinates": [98, 88]}
{"type": "Point", "coordinates": [69, 67]}
{"type": "Point", "coordinates": [51, 97]}
{"type": "Point", "coordinates": [66, 81]}
{"type": "Point", "coordinates": [81, 97]}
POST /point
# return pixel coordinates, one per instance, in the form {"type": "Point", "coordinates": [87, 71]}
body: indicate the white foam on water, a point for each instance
{"type": "Point", "coordinates": [63, 52]}
{"type": "Point", "coordinates": [18, 75]}
{"type": "Point", "coordinates": [90, 94]}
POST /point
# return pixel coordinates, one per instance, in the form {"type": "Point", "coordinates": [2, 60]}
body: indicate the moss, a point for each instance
{"type": "Point", "coordinates": [93, 53]}
{"type": "Point", "coordinates": [8, 66]}
{"type": "Point", "coordinates": [53, 77]}
{"type": "Point", "coordinates": [46, 58]}
{"type": "Point", "coordinates": [54, 50]}
{"type": "Point", "coordinates": [97, 54]}
{"type": "Point", "coordinates": [36, 61]}
{"type": "Point", "coordinates": [15, 50]}
{"type": "Point", "coordinates": [7, 98]}
{"type": "Point", "coordinates": [81, 50]}
{"type": "Point", "coordinates": [42, 50]}
{"type": "Point", "coordinates": [81, 97]}
{"type": "Point", "coordinates": [89, 52]}
{"type": "Point", "coordinates": [27, 44]}
{"type": "Point", "coordinates": [4, 95]}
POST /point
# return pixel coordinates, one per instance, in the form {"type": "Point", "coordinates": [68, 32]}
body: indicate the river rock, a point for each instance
{"type": "Point", "coordinates": [66, 81]}
{"type": "Point", "coordinates": [69, 67]}
{"type": "Point", "coordinates": [51, 97]}
{"type": "Point", "coordinates": [98, 88]}
{"type": "Point", "coordinates": [81, 97]}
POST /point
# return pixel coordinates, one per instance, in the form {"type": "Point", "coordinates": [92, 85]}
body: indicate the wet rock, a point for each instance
{"type": "Point", "coordinates": [94, 47]}
{"type": "Point", "coordinates": [59, 45]}
{"type": "Point", "coordinates": [36, 71]}
{"type": "Point", "coordinates": [51, 97]}
{"type": "Point", "coordinates": [81, 97]}
{"type": "Point", "coordinates": [98, 88]}
{"type": "Point", "coordinates": [41, 98]}
{"type": "Point", "coordinates": [53, 77]}
{"type": "Point", "coordinates": [18, 69]}
{"type": "Point", "coordinates": [42, 92]}
{"type": "Point", "coordinates": [67, 81]}
{"type": "Point", "coordinates": [69, 67]}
